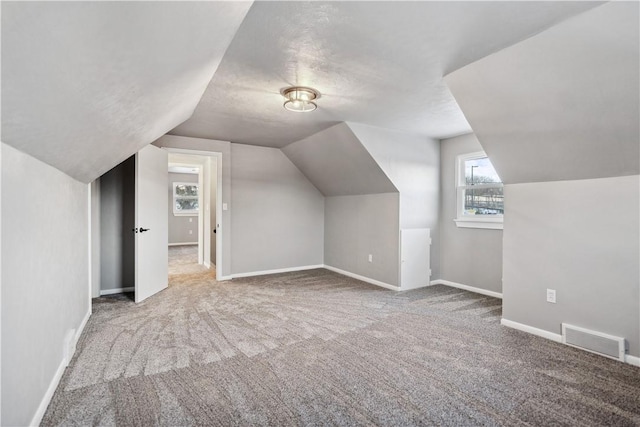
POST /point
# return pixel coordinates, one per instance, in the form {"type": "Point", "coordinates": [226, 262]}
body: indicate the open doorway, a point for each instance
{"type": "Point", "coordinates": [194, 201]}
{"type": "Point", "coordinates": [184, 214]}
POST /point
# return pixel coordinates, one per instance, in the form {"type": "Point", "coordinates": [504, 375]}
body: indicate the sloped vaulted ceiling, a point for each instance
{"type": "Point", "coordinates": [562, 105]}
{"type": "Point", "coordinates": [374, 62]}
{"type": "Point", "coordinates": [337, 163]}
{"type": "Point", "coordinates": [87, 84]}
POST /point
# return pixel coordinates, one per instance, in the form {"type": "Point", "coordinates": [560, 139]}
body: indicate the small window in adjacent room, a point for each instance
{"type": "Point", "coordinates": [185, 198]}
{"type": "Point", "coordinates": [479, 192]}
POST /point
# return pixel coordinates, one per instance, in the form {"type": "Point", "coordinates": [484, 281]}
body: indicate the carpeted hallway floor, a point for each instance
{"type": "Point", "coordinates": [317, 348]}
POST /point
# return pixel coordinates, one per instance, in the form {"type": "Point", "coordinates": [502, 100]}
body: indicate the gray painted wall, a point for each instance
{"type": "Point", "coordinates": [563, 104]}
{"type": "Point", "coordinates": [277, 214]}
{"type": "Point", "coordinates": [117, 220]}
{"type": "Point", "coordinates": [45, 274]}
{"type": "Point", "coordinates": [470, 256]}
{"type": "Point", "coordinates": [580, 238]}
{"type": "Point", "coordinates": [179, 226]}
{"type": "Point", "coordinates": [224, 148]}
{"type": "Point", "coordinates": [356, 226]}
{"type": "Point", "coordinates": [335, 161]}
{"type": "Point", "coordinates": [412, 162]}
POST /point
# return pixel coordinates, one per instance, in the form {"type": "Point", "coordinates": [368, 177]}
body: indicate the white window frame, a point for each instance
{"type": "Point", "coordinates": [463, 220]}
{"type": "Point", "coordinates": [191, 212]}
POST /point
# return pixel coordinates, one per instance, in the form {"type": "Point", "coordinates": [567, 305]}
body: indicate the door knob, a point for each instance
{"type": "Point", "coordinates": [142, 230]}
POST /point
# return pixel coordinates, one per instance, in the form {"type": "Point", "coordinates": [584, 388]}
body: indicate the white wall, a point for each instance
{"type": "Point", "coordinates": [179, 226]}
{"type": "Point", "coordinates": [469, 256]}
{"type": "Point", "coordinates": [45, 275]}
{"type": "Point", "coordinates": [582, 239]}
{"type": "Point", "coordinates": [277, 214]}
{"type": "Point", "coordinates": [412, 163]}
{"type": "Point", "coordinates": [356, 226]}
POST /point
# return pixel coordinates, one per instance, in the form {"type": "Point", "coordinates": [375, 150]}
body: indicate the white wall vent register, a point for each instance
{"type": "Point", "coordinates": [595, 342]}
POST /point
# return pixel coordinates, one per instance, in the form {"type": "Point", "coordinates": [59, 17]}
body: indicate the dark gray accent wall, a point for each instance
{"type": "Point", "coordinates": [469, 256]}
{"type": "Point", "coordinates": [582, 239]}
{"type": "Point", "coordinates": [95, 238]}
{"type": "Point", "coordinates": [563, 104]}
{"type": "Point", "coordinates": [335, 161]}
{"type": "Point", "coordinates": [117, 220]}
{"type": "Point", "coordinates": [356, 226]}
{"type": "Point", "coordinates": [179, 226]}
{"type": "Point", "coordinates": [45, 278]}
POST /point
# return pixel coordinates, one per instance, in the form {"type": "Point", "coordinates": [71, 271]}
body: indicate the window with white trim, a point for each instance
{"type": "Point", "coordinates": [185, 198]}
{"type": "Point", "coordinates": [479, 192]}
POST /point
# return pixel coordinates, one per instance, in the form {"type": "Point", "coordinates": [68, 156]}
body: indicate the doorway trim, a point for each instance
{"type": "Point", "coordinates": [219, 231]}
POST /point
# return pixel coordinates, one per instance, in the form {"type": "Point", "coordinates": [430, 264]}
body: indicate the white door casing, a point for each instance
{"type": "Point", "coordinates": [152, 238]}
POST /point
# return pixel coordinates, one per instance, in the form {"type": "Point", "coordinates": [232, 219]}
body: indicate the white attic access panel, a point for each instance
{"type": "Point", "coordinates": [415, 253]}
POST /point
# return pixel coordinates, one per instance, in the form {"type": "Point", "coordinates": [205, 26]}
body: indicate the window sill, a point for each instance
{"type": "Point", "coordinates": [185, 214]}
{"type": "Point", "coordinates": [487, 223]}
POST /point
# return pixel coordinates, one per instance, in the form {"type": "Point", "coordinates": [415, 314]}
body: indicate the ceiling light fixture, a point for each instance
{"type": "Point", "coordinates": [300, 99]}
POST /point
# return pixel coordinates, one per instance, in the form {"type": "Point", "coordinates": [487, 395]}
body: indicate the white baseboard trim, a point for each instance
{"type": "Point", "coordinates": [55, 381]}
{"type": "Point", "coordinates": [225, 278]}
{"type": "Point", "coordinates": [467, 288]}
{"type": "Point", "coordinates": [46, 399]}
{"type": "Point", "coordinates": [207, 264]}
{"type": "Point", "coordinates": [530, 329]}
{"type": "Point", "coordinates": [632, 360]}
{"type": "Point", "coordinates": [279, 270]}
{"type": "Point", "coordinates": [363, 278]}
{"type": "Point", "coordinates": [82, 325]}
{"type": "Point", "coordinates": [183, 244]}
{"type": "Point", "coordinates": [116, 291]}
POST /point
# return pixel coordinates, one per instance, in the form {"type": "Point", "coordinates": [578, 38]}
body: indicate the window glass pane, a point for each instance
{"type": "Point", "coordinates": [186, 204]}
{"type": "Point", "coordinates": [186, 190]}
{"type": "Point", "coordinates": [484, 201]}
{"type": "Point", "coordinates": [480, 171]}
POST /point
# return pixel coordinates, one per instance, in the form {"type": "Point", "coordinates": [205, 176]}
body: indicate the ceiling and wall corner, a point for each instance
{"type": "Point", "coordinates": [336, 162]}
{"type": "Point", "coordinates": [87, 84]}
{"type": "Point", "coordinates": [562, 105]}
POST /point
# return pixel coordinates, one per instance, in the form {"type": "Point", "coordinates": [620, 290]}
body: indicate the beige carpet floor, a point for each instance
{"type": "Point", "coordinates": [316, 348]}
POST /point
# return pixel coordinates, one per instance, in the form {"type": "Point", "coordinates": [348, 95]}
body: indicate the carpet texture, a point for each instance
{"type": "Point", "coordinates": [317, 348]}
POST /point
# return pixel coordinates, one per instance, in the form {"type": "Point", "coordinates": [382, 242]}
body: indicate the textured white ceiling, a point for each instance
{"type": "Point", "coordinates": [378, 63]}
{"type": "Point", "coordinates": [564, 104]}
{"type": "Point", "coordinates": [87, 84]}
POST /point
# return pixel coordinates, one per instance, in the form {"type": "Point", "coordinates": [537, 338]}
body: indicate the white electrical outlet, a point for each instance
{"type": "Point", "coordinates": [370, 258]}
{"type": "Point", "coordinates": [224, 207]}
{"type": "Point", "coordinates": [190, 219]}
{"type": "Point", "coordinates": [190, 231]}
{"type": "Point", "coordinates": [551, 296]}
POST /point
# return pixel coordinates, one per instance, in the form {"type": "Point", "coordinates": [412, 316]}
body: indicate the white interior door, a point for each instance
{"type": "Point", "coordinates": [152, 239]}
